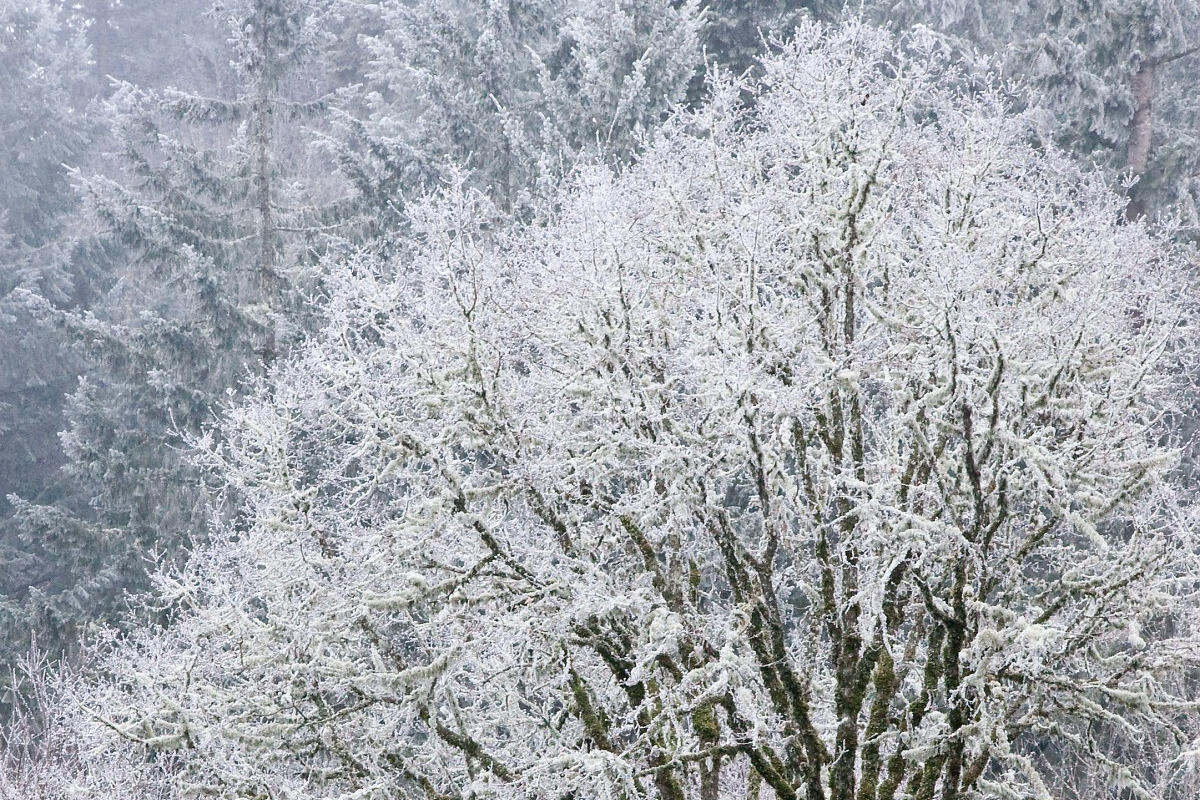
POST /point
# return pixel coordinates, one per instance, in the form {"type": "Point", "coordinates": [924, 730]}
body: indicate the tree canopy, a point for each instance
{"type": "Point", "coordinates": [820, 453]}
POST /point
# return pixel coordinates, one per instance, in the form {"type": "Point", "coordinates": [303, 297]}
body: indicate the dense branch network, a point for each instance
{"type": "Point", "coordinates": [819, 455]}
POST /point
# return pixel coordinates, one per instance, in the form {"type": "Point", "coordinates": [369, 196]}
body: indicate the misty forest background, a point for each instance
{"type": "Point", "coordinates": [176, 177]}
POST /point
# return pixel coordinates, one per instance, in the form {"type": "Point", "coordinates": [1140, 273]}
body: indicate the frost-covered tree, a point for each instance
{"type": "Point", "coordinates": [737, 32]}
{"type": "Point", "coordinates": [204, 234]}
{"type": "Point", "coordinates": [514, 91]}
{"type": "Point", "coordinates": [1113, 79]}
{"type": "Point", "coordinates": [818, 455]}
{"type": "Point", "coordinates": [41, 130]}
{"type": "Point", "coordinates": [39, 753]}
{"type": "Point", "coordinates": [148, 42]}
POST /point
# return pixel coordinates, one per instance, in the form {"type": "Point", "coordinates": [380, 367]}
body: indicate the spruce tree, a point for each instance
{"type": "Point", "coordinates": [208, 248]}
{"type": "Point", "coordinates": [42, 63]}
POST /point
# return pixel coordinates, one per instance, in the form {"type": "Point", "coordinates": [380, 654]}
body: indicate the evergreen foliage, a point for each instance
{"type": "Point", "coordinates": [43, 61]}
{"type": "Point", "coordinates": [207, 235]}
{"type": "Point", "coordinates": [41, 130]}
{"type": "Point", "coordinates": [1113, 81]}
{"type": "Point", "coordinates": [515, 92]}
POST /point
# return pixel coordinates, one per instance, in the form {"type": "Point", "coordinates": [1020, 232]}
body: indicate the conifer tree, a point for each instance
{"type": "Point", "coordinates": [41, 129]}
{"type": "Point", "coordinates": [1114, 81]}
{"type": "Point", "coordinates": [207, 231]}
{"type": "Point", "coordinates": [513, 91]}
{"type": "Point", "coordinates": [42, 62]}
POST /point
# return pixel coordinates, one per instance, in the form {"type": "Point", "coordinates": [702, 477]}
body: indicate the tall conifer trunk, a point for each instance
{"type": "Point", "coordinates": [1141, 128]}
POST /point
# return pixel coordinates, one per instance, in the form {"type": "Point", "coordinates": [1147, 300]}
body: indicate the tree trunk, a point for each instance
{"type": "Point", "coordinates": [100, 34]}
{"type": "Point", "coordinates": [1140, 129]}
{"type": "Point", "coordinates": [267, 280]}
